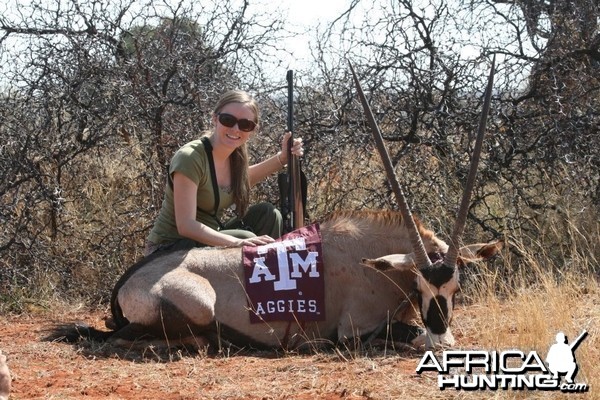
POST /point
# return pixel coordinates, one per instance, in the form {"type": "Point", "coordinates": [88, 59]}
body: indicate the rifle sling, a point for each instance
{"type": "Point", "coordinates": [213, 177]}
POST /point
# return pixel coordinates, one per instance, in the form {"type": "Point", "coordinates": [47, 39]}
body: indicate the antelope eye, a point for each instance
{"type": "Point", "coordinates": [455, 294]}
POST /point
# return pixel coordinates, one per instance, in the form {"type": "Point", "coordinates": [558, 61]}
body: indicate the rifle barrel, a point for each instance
{"type": "Point", "coordinates": [290, 115]}
{"type": "Point", "coordinates": [578, 340]}
{"type": "Point", "coordinates": [295, 197]}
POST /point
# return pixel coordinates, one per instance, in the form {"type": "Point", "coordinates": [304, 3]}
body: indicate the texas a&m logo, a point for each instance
{"type": "Point", "coordinates": [285, 279]}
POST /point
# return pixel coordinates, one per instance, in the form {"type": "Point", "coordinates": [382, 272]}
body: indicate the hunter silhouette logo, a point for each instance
{"type": "Point", "coordinates": [508, 370]}
{"type": "Point", "coordinates": [561, 357]}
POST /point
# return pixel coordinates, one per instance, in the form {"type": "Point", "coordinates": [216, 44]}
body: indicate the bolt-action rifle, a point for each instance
{"type": "Point", "coordinates": [292, 185]}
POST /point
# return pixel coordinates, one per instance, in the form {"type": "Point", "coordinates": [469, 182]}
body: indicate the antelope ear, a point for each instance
{"type": "Point", "coordinates": [480, 251]}
{"type": "Point", "coordinates": [401, 262]}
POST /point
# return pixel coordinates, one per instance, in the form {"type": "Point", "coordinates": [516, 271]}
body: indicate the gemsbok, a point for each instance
{"type": "Point", "coordinates": [354, 275]}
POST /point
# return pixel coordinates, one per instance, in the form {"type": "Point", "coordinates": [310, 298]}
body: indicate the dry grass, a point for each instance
{"type": "Point", "coordinates": [526, 311]}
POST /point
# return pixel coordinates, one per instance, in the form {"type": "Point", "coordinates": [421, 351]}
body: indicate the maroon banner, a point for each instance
{"type": "Point", "coordinates": [285, 280]}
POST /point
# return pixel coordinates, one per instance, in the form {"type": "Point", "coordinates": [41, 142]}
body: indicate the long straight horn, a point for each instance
{"type": "Point", "coordinates": [421, 259]}
{"type": "Point", "coordinates": [461, 219]}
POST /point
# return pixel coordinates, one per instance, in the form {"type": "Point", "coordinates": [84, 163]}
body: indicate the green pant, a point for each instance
{"type": "Point", "coordinates": [261, 219]}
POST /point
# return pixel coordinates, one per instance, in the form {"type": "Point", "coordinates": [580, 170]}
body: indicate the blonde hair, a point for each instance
{"type": "Point", "coordinates": [240, 184]}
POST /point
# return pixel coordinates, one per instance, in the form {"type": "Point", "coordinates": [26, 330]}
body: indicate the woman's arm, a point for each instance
{"type": "Point", "coordinates": [184, 198]}
{"type": "Point", "coordinates": [260, 171]}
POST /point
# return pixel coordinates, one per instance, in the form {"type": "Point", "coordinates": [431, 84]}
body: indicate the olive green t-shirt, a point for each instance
{"type": "Point", "coordinates": [192, 161]}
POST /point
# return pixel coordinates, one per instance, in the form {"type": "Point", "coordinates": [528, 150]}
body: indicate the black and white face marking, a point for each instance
{"type": "Point", "coordinates": [437, 286]}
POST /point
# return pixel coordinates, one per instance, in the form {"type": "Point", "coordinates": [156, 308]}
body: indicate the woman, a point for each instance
{"type": "Point", "coordinates": [208, 175]}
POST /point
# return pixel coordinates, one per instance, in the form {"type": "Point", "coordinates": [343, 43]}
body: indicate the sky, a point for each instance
{"type": "Point", "coordinates": [308, 14]}
{"type": "Point", "coordinates": [303, 15]}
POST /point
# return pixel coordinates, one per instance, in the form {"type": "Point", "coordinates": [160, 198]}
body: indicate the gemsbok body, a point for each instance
{"type": "Point", "coordinates": [200, 293]}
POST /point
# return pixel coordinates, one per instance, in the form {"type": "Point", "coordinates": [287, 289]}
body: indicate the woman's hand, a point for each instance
{"type": "Point", "coordinates": [260, 171]}
{"type": "Point", "coordinates": [256, 241]}
{"type": "Point", "coordinates": [297, 148]}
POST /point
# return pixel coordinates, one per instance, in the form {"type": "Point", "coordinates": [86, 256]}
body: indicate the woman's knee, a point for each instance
{"type": "Point", "coordinates": [265, 208]}
{"type": "Point", "coordinates": [265, 219]}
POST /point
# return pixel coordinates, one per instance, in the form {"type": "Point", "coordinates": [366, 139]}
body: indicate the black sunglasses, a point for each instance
{"type": "Point", "coordinates": [229, 121]}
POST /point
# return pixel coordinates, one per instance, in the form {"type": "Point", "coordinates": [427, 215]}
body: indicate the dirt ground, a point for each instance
{"type": "Point", "coordinates": [44, 370]}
